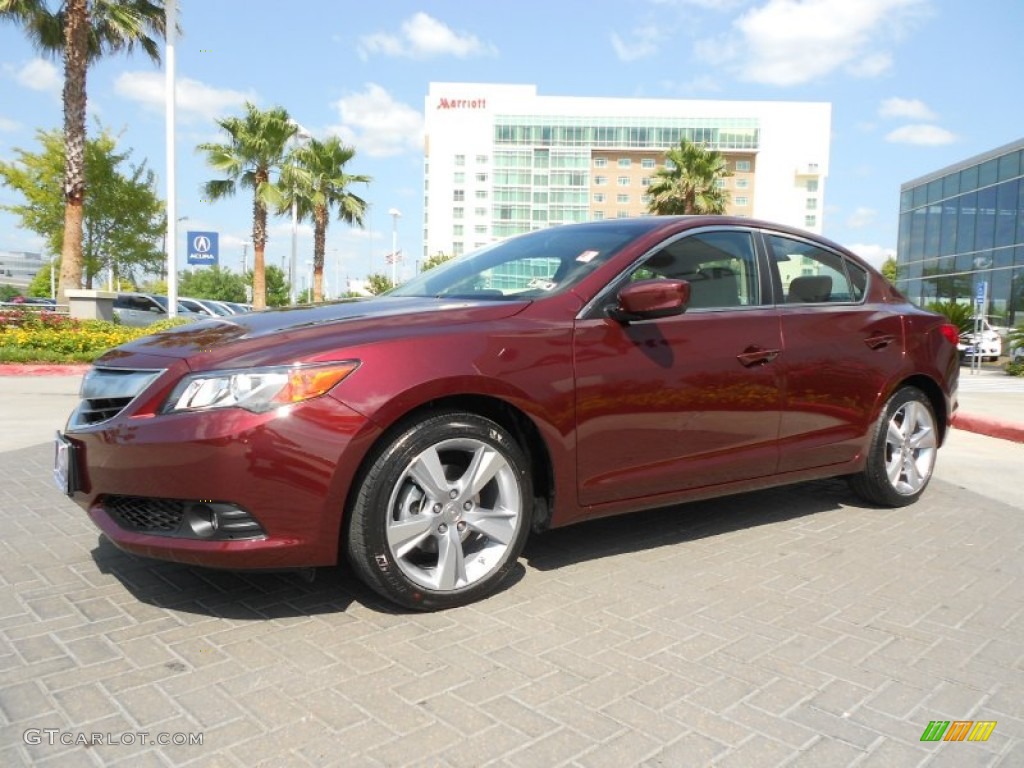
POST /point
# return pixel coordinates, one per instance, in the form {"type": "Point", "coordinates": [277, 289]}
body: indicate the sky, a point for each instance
{"type": "Point", "coordinates": [915, 85]}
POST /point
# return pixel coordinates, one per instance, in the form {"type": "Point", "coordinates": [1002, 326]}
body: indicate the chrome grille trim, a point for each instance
{"type": "Point", "coordinates": [105, 392]}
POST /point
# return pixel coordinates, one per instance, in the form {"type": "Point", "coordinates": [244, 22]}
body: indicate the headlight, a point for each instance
{"type": "Point", "coordinates": [256, 389]}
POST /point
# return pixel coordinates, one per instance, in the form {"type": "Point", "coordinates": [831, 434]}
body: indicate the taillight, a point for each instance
{"type": "Point", "coordinates": [951, 332]}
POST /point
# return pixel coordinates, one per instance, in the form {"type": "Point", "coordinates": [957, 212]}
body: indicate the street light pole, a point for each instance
{"type": "Point", "coordinates": [395, 215]}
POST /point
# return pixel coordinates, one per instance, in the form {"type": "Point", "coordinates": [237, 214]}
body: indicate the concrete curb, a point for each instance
{"type": "Point", "coordinates": [16, 369]}
{"type": "Point", "coordinates": [1004, 430]}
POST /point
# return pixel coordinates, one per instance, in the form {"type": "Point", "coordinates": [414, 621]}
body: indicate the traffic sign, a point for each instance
{"type": "Point", "coordinates": [981, 290]}
{"type": "Point", "coordinates": [203, 248]}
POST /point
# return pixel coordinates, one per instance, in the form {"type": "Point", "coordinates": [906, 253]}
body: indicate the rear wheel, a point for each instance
{"type": "Point", "coordinates": [902, 453]}
{"type": "Point", "coordinates": [443, 512]}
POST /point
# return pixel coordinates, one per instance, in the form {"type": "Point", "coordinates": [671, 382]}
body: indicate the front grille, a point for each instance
{"type": "Point", "coordinates": [182, 518]}
{"type": "Point", "coordinates": [97, 409]}
{"type": "Point", "coordinates": [145, 515]}
{"type": "Point", "coordinates": [108, 391]}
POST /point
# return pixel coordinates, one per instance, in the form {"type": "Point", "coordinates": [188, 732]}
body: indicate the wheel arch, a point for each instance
{"type": "Point", "coordinates": [935, 396]}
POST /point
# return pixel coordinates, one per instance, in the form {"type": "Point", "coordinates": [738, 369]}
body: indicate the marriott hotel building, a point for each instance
{"type": "Point", "coordinates": [501, 160]}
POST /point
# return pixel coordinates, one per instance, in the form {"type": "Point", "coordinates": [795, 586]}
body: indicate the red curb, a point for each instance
{"type": "Point", "coordinates": [13, 369]}
{"type": "Point", "coordinates": [1004, 430]}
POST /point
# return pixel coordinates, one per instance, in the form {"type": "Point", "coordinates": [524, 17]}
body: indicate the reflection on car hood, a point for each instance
{"type": "Point", "coordinates": [279, 336]}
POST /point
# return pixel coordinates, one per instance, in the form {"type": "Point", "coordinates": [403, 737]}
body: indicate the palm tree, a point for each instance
{"type": "Point", "coordinates": [314, 179]}
{"type": "Point", "coordinates": [690, 185]}
{"type": "Point", "coordinates": [83, 31]}
{"type": "Point", "coordinates": [256, 147]}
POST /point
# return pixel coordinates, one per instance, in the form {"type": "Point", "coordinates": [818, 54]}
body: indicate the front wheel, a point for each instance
{"type": "Point", "coordinates": [902, 453]}
{"type": "Point", "coordinates": [442, 514]}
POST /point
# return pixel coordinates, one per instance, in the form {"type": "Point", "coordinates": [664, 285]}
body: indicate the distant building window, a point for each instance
{"type": "Point", "coordinates": [812, 203]}
{"type": "Point", "coordinates": [812, 185]}
{"type": "Point", "coordinates": [810, 221]}
{"type": "Point", "coordinates": [597, 215]}
{"type": "Point", "coordinates": [600, 181]}
{"type": "Point", "coordinates": [742, 183]}
{"type": "Point", "coordinates": [721, 183]}
{"type": "Point", "coordinates": [742, 201]}
{"type": "Point", "coordinates": [599, 197]}
{"type": "Point", "coordinates": [622, 199]}
{"type": "Point", "coordinates": [458, 195]}
{"type": "Point", "coordinates": [460, 159]}
{"type": "Point", "coordinates": [647, 162]}
{"type": "Point", "coordinates": [743, 165]}
{"type": "Point", "coordinates": [457, 213]}
{"type": "Point", "coordinates": [625, 162]}
{"type": "Point", "coordinates": [480, 229]}
{"type": "Point", "coordinates": [481, 194]}
{"type": "Point", "coordinates": [481, 178]}
{"type": "Point", "coordinates": [460, 177]}
{"type": "Point", "coordinates": [622, 215]}
{"type": "Point", "coordinates": [457, 230]}
{"type": "Point", "coordinates": [623, 181]}
{"type": "Point", "coordinates": [457, 249]}
{"type": "Point", "coordinates": [481, 159]}
{"type": "Point", "coordinates": [600, 162]}
{"type": "Point", "coordinates": [479, 212]}
{"type": "Point", "coordinates": [646, 181]}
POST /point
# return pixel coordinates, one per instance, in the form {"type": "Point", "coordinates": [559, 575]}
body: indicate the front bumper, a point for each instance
{"type": "Point", "coordinates": [288, 470]}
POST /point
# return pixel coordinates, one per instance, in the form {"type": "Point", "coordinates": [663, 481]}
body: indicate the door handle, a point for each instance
{"type": "Point", "coordinates": [879, 340]}
{"type": "Point", "coordinates": [752, 356]}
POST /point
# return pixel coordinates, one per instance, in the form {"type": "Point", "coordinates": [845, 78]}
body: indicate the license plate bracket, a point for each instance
{"type": "Point", "coordinates": [65, 465]}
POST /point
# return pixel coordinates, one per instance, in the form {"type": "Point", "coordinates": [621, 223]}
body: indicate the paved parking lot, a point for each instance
{"type": "Point", "coordinates": [795, 627]}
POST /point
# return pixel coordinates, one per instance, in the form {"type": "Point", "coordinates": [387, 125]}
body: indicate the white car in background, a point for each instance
{"type": "Point", "coordinates": [986, 343]}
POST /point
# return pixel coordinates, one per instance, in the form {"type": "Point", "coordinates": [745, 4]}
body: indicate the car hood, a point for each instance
{"type": "Point", "coordinates": [277, 337]}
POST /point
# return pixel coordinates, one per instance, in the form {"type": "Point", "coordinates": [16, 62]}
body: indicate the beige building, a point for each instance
{"type": "Point", "coordinates": [501, 160]}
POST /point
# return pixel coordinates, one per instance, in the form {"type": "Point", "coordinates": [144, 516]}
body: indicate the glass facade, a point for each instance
{"type": "Point", "coordinates": [964, 226]}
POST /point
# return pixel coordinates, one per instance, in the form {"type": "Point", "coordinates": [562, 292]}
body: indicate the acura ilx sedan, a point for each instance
{"type": "Point", "coordinates": [559, 376]}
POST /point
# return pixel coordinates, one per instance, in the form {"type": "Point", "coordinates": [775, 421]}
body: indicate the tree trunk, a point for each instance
{"type": "Point", "coordinates": [259, 244]}
{"type": "Point", "coordinates": [76, 43]}
{"type": "Point", "coordinates": [319, 247]}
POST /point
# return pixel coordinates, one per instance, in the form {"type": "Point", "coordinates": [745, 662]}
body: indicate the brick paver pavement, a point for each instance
{"type": "Point", "coordinates": [789, 628]}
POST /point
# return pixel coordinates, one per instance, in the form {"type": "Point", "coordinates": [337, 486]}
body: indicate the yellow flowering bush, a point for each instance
{"type": "Point", "coordinates": [34, 336]}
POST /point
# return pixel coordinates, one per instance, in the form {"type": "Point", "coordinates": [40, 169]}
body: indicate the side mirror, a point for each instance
{"type": "Point", "coordinates": [651, 299]}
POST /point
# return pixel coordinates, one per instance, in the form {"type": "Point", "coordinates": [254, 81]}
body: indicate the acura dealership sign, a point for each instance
{"type": "Point", "coordinates": [202, 248]}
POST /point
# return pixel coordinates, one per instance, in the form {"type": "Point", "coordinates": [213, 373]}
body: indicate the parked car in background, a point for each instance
{"type": "Point", "coordinates": [563, 375]}
{"type": "Point", "coordinates": [205, 306]}
{"type": "Point", "coordinates": [141, 309]}
{"type": "Point", "coordinates": [985, 341]}
{"type": "Point", "coordinates": [237, 308]}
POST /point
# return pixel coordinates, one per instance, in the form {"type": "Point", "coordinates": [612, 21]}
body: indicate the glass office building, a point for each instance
{"type": "Point", "coordinates": [961, 234]}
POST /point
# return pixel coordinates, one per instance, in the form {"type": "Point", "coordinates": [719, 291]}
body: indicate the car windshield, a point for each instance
{"type": "Point", "coordinates": [530, 266]}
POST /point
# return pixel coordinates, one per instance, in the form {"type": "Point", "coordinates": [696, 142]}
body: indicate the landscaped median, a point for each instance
{"type": "Point", "coordinates": [31, 336]}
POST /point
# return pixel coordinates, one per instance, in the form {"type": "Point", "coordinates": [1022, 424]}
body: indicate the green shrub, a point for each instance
{"type": "Point", "coordinates": [28, 336]}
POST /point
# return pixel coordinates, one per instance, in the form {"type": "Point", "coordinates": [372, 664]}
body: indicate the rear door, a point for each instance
{"type": "Point", "coordinates": [839, 352]}
{"type": "Point", "coordinates": [685, 401]}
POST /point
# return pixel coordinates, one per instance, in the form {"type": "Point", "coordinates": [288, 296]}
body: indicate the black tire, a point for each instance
{"type": "Point", "coordinates": [442, 513]}
{"type": "Point", "coordinates": [901, 458]}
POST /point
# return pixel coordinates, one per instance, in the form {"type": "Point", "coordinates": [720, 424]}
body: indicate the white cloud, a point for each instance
{"type": "Point", "coordinates": [377, 125]}
{"type": "Point", "coordinates": [9, 126]}
{"type": "Point", "coordinates": [861, 217]}
{"type": "Point", "coordinates": [195, 100]}
{"type": "Point", "coordinates": [912, 109]}
{"type": "Point", "coordinates": [789, 42]}
{"type": "Point", "coordinates": [921, 135]}
{"type": "Point", "coordinates": [644, 43]}
{"type": "Point", "coordinates": [422, 37]}
{"type": "Point", "coordinates": [40, 75]}
{"type": "Point", "coordinates": [875, 255]}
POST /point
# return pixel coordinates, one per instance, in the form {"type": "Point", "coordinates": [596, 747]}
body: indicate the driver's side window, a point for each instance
{"type": "Point", "coordinates": [720, 267]}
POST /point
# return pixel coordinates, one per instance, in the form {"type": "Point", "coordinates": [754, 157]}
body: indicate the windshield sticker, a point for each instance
{"type": "Point", "coordinates": [542, 285]}
{"type": "Point", "coordinates": [586, 257]}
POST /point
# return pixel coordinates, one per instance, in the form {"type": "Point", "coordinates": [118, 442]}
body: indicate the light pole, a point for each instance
{"type": "Point", "coordinates": [293, 275]}
{"type": "Point", "coordinates": [395, 215]}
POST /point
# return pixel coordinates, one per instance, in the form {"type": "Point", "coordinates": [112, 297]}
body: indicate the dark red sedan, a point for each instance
{"type": "Point", "coordinates": [559, 376]}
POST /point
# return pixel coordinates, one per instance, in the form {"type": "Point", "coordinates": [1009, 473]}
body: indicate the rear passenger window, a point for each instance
{"type": "Point", "coordinates": [719, 266]}
{"type": "Point", "coordinates": [813, 275]}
